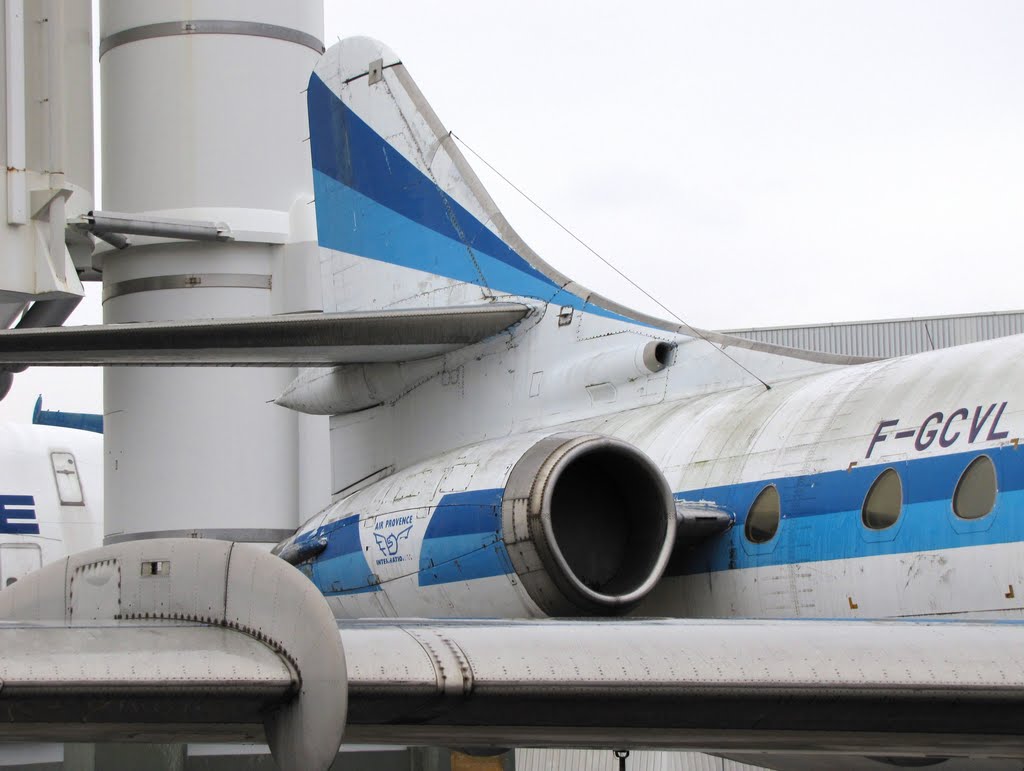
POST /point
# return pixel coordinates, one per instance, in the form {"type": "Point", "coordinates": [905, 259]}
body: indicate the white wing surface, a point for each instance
{"type": "Point", "coordinates": [189, 639]}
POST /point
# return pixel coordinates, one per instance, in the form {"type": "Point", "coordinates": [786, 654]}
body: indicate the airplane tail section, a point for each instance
{"type": "Point", "coordinates": [405, 218]}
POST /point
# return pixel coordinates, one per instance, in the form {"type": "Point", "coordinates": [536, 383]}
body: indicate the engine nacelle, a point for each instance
{"type": "Point", "coordinates": [589, 524]}
{"type": "Point", "coordinates": [559, 525]}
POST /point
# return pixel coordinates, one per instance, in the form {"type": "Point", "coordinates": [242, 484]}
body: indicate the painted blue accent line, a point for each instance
{"type": "Point", "coordinates": [821, 514]}
{"type": "Point", "coordinates": [821, 521]}
{"type": "Point", "coordinates": [344, 148]}
{"type": "Point", "coordinates": [343, 576]}
{"type": "Point", "coordinates": [372, 202]}
{"type": "Point", "coordinates": [342, 567]}
{"type": "Point", "coordinates": [343, 537]}
{"type": "Point", "coordinates": [348, 221]}
{"type": "Point", "coordinates": [463, 539]}
{"type": "Point", "coordinates": [13, 507]}
{"type": "Point", "coordinates": [467, 561]}
{"type": "Point", "coordinates": [923, 479]}
{"type": "Point", "coordinates": [473, 511]}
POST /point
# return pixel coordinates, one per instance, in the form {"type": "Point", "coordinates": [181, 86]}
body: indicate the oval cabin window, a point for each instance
{"type": "Point", "coordinates": [975, 494]}
{"type": "Point", "coordinates": [763, 517]}
{"type": "Point", "coordinates": [884, 501]}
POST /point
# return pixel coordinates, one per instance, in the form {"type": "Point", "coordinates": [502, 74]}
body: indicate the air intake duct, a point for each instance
{"type": "Point", "coordinates": [589, 524]}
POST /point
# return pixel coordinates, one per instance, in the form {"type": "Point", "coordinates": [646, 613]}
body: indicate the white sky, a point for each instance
{"type": "Point", "coordinates": [749, 163]}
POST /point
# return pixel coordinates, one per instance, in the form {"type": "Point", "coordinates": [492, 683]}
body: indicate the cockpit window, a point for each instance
{"type": "Point", "coordinates": [975, 494]}
{"type": "Point", "coordinates": [763, 517]}
{"type": "Point", "coordinates": [884, 501]}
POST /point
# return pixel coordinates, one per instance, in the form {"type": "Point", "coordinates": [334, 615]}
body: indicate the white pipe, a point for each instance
{"type": "Point", "coordinates": [55, 86]}
{"type": "Point", "coordinates": [55, 105]}
{"type": "Point", "coordinates": [99, 222]}
{"type": "Point", "coordinates": [14, 48]}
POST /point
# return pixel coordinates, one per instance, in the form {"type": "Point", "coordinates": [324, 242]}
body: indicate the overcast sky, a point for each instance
{"type": "Point", "coordinates": [748, 163]}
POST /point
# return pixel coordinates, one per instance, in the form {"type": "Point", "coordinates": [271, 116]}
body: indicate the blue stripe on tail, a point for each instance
{"type": "Point", "coordinates": [344, 148]}
{"type": "Point", "coordinates": [373, 202]}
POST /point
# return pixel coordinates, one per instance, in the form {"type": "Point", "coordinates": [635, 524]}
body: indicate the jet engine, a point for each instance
{"type": "Point", "coordinates": [559, 525]}
{"type": "Point", "coordinates": [589, 524]}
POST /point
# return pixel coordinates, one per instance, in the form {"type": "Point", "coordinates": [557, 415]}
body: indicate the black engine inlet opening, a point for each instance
{"type": "Point", "coordinates": [608, 518]}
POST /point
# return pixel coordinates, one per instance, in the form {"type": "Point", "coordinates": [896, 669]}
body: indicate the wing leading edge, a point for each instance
{"type": "Point", "coordinates": [118, 643]}
{"type": "Point", "coordinates": [78, 681]}
{"type": "Point", "coordinates": [881, 688]}
{"type": "Point", "coordinates": [306, 339]}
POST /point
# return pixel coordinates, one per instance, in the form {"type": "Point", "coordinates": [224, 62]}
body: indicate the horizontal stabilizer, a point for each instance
{"type": "Point", "coordinates": [83, 421]}
{"type": "Point", "coordinates": [307, 339]}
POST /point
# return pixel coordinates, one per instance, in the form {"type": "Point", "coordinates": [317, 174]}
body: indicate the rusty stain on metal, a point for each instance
{"type": "Point", "coordinates": [853, 605]}
{"type": "Point", "coordinates": [1010, 595]}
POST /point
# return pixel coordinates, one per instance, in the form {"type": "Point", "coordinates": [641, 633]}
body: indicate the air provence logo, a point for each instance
{"type": "Point", "coordinates": [387, 542]}
{"type": "Point", "coordinates": [17, 515]}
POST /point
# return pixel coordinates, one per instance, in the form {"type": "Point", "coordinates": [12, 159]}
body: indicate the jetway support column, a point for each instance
{"type": "Point", "coordinates": [204, 119]}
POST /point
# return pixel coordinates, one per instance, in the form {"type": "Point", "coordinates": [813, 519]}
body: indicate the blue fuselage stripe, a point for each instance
{"type": "Point", "coordinates": [463, 540]}
{"type": "Point", "coordinates": [821, 514]}
{"type": "Point", "coordinates": [342, 567]}
{"type": "Point", "coordinates": [821, 521]}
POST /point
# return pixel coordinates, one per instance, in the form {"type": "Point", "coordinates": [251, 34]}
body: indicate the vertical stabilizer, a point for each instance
{"type": "Point", "coordinates": [403, 218]}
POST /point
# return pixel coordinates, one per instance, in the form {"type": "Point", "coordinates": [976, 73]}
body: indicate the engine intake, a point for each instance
{"type": "Point", "coordinates": [589, 524]}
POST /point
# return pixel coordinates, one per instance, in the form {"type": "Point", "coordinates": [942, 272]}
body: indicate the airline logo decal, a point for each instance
{"type": "Point", "coordinates": [959, 426]}
{"type": "Point", "coordinates": [387, 537]}
{"type": "Point", "coordinates": [18, 515]}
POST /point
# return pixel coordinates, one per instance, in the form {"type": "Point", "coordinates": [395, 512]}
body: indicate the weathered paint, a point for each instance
{"type": "Point", "coordinates": [405, 223]}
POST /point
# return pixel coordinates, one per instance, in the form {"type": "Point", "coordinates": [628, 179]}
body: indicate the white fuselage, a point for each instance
{"type": "Point", "coordinates": [51, 496]}
{"type": "Point", "coordinates": [821, 440]}
{"type": "Point", "coordinates": [423, 453]}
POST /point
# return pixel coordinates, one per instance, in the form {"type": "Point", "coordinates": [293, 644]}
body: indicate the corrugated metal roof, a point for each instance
{"type": "Point", "coordinates": [604, 760]}
{"type": "Point", "coordinates": [886, 338]}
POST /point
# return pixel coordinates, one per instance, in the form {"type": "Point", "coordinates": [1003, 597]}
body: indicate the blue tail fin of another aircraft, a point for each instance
{"type": "Point", "coordinates": [83, 421]}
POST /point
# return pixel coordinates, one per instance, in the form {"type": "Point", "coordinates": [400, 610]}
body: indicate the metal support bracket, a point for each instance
{"type": "Point", "coordinates": [103, 224]}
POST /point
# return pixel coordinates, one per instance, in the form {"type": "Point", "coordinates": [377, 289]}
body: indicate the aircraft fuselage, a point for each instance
{"type": "Point", "coordinates": [430, 541]}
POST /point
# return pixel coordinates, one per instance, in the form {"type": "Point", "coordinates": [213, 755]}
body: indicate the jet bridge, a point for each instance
{"type": "Point", "coordinates": [48, 152]}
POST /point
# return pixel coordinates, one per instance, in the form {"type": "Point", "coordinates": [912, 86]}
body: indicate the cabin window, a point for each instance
{"type": "Point", "coordinates": [763, 517]}
{"type": "Point", "coordinates": [975, 494]}
{"type": "Point", "coordinates": [884, 501]}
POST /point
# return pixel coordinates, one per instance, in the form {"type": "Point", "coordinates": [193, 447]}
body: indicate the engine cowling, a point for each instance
{"type": "Point", "coordinates": [589, 524]}
{"type": "Point", "coordinates": [567, 524]}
